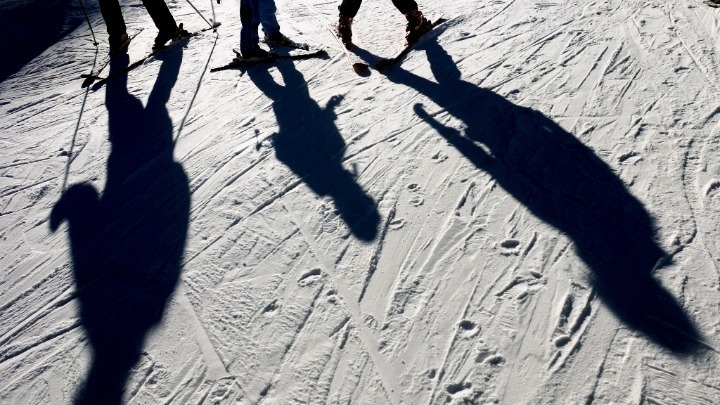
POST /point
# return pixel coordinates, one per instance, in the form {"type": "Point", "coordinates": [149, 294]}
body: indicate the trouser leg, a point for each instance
{"type": "Point", "coordinates": [349, 8]}
{"type": "Point", "coordinates": [110, 10]}
{"type": "Point", "coordinates": [405, 6]}
{"type": "Point", "coordinates": [268, 17]}
{"type": "Point", "coordinates": [160, 15]}
{"type": "Point", "coordinates": [250, 20]}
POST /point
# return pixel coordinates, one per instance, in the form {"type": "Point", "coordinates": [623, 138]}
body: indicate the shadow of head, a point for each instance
{"type": "Point", "coordinates": [75, 205]}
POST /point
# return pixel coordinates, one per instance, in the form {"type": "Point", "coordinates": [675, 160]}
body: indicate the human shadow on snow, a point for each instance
{"type": "Point", "coordinates": [309, 144]}
{"type": "Point", "coordinates": [127, 244]}
{"type": "Point", "coordinates": [562, 182]}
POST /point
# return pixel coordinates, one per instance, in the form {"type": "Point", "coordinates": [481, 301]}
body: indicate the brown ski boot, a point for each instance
{"type": "Point", "coordinates": [417, 25]}
{"type": "Point", "coordinates": [344, 31]}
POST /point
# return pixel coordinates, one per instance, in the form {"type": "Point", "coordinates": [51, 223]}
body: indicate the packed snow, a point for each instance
{"type": "Point", "coordinates": [524, 210]}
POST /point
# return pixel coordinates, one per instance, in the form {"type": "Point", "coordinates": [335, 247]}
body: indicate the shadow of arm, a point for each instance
{"type": "Point", "coordinates": [472, 151]}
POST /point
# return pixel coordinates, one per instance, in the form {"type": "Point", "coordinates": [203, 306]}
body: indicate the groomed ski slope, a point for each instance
{"type": "Point", "coordinates": [525, 211]}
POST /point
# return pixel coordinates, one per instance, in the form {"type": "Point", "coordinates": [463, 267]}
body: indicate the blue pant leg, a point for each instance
{"type": "Point", "coordinates": [250, 19]}
{"type": "Point", "coordinates": [267, 17]}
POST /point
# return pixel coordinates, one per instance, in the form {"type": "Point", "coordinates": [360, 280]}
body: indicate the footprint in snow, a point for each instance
{"type": "Point", "coordinates": [495, 360]}
{"type": "Point", "coordinates": [397, 223]}
{"type": "Point", "coordinates": [712, 187]}
{"type": "Point", "coordinates": [370, 321]}
{"type": "Point", "coordinates": [453, 389]}
{"type": "Point", "coordinates": [271, 308]}
{"type": "Point", "coordinates": [417, 201]}
{"type": "Point", "coordinates": [330, 217]}
{"type": "Point", "coordinates": [510, 247]}
{"type": "Point", "coordinates": [468, 329]}
{"type": "Point", "coordinates": [439, 157]}
{"type": "Point", "coordinates": [561, 341]}
{"type": "Point", "coordinates": [310, 277]}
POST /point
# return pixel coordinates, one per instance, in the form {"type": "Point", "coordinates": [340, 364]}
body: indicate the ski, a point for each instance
{"type": "Point", "coordinates": [712, 3]}
{"type": "Point", "coordinates": [102, 80]}
{"type": "Point", "coordinates": [94, 74]}
{"type": "Point", "coordinates": [240, 62]}
{"type": "Point", "coordinates": [358, 65]}
{"type": "Point", "coordinates": [386, 63]}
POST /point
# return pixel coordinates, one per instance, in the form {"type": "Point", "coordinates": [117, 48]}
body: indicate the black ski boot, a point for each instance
{"type": "Point", "coordinates": [257, 53]}
{"type": "Point", "coordinates": [119, 44]}
{"type": "Point", "coordinates": [163, 37]}
{"type": "Point", "coordinates": [344, 31]}
{"type": "Point", "coordinates": [417, 25]}
{"type": "Point", "coordinates": [278, 39]}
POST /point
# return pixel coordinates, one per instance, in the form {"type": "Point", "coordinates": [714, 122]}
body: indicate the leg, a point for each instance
{"type": "Point", "coordinates": [349, 8]}
{"type": "Point", "coordinates": [417, 24]}
{"type": "Point", "coordinates": [405, 6]}
{"type": "Point", "coordinates": [250, 19]}
{"type": "Point", "coordinates": [268, 19]}
{"type": "Point", "coordinates": [161, 16]}
{"type": "Point", "coordinates": [114, 21]}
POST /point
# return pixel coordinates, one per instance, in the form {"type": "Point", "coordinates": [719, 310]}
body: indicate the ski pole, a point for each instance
{"type": "Point", "coordinates": [82, 5]}
{"type": "Point", "coordinates": [200, 14]}
{"type": "Point", "coordinates": [212, 7]}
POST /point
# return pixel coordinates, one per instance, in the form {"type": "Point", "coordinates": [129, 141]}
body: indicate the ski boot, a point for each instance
{"type": "Point", "coordinates": [278, 39]}
{"type": "Point", "coordinates": [344, 31]}
{"type": "Point", "coordinates": [120, 44]}
{"type": "Point", "coordinates": [256, 53]}
{"type": "Point", "coordinates": [163, 37]}
{"type": "Point", "coordinates": [417, 25]}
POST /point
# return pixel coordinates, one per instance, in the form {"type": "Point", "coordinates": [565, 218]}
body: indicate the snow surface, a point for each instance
{"type": "Point", "coordinates": [526, 211]}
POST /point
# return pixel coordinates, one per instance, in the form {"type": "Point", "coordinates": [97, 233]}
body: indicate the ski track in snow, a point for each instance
{"type": "Point", "coordinates": [376, 239]}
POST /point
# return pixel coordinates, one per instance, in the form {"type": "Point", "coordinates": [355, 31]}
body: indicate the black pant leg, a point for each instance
{"type": "Point", "coordinates": [405, 6]}
{"type": "Point", "coordinates": [110, 10]}
{"type": "Point", "coordinates": [349, 8]}
{"type": "Point", "coordinates": [160, 15]}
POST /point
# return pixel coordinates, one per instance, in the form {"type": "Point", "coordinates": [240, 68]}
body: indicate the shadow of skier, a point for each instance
{"type": "Point", "coordinates": [565, 184]}
{"type": "Point", "coordinates": [127, 244]}
{"type": "Point", "coordinates": [309, 143]}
